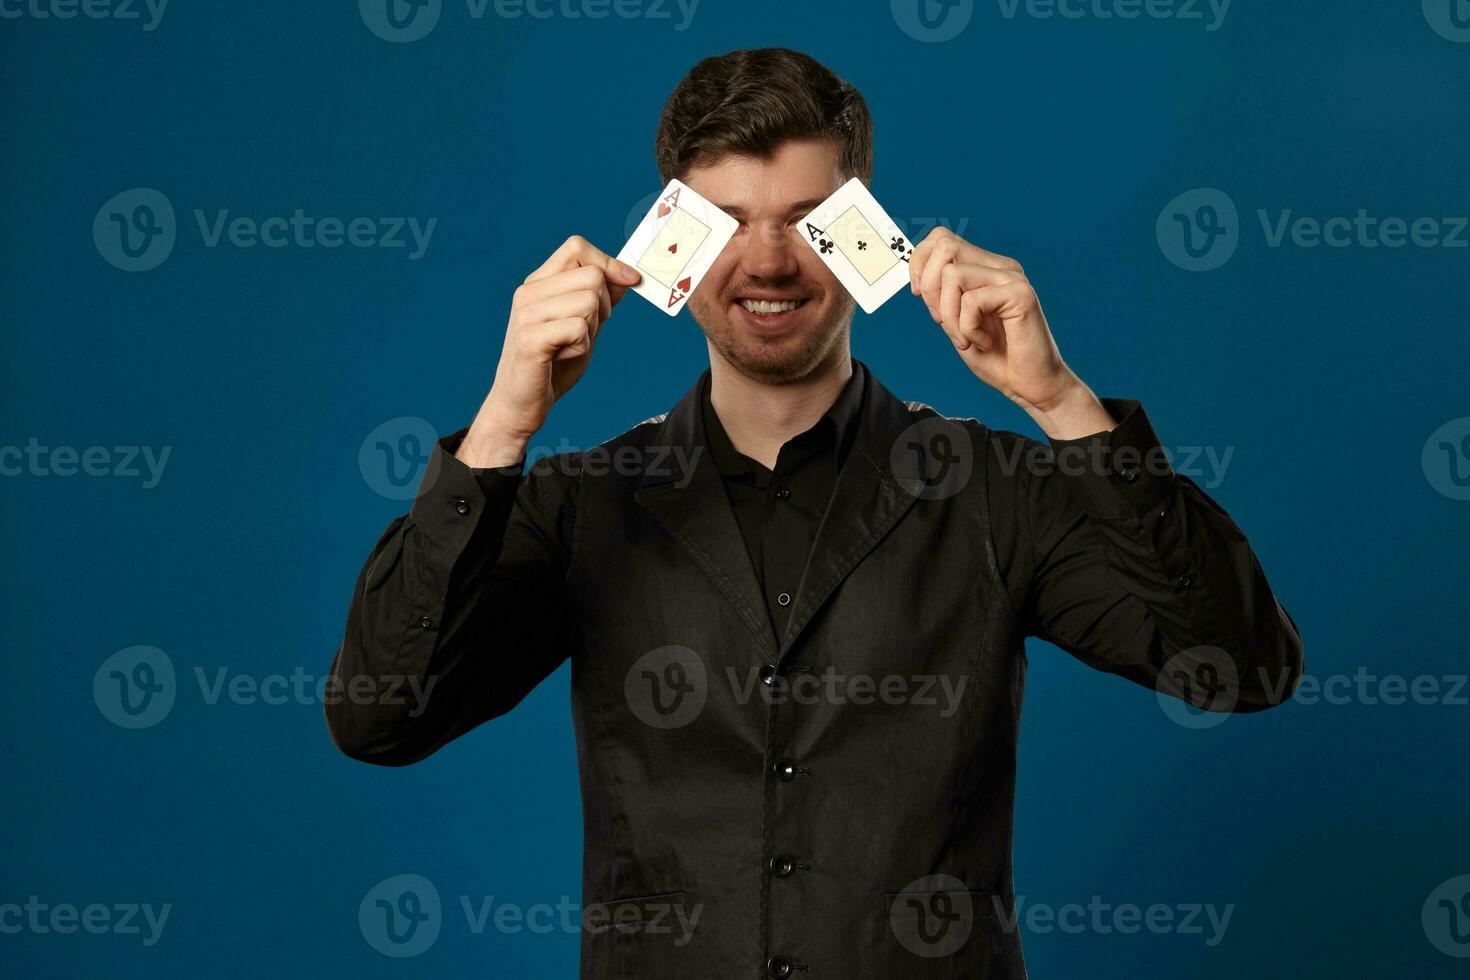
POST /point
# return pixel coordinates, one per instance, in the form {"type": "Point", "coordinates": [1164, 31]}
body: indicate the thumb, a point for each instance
{"type": "Point", "coordinates": [622, 273]}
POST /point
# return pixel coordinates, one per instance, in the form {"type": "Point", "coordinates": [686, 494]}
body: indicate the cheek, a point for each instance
{"type": "Point", "coordinates": [717, 277]}
{"type": "Point", "coordinates": [815, 270]}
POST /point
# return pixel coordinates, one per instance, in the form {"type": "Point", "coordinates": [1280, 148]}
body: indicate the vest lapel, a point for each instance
{"type": "Point", "coordinates": [698, 516]}
{"type": "Point", "coordinates": [866, 503]}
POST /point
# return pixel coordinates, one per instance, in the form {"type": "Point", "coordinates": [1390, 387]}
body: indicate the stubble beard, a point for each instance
{"type": "Point", "coordinates": [783, 360]}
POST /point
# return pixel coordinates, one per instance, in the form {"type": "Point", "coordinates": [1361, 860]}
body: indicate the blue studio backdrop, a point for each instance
{"type": "Point", "coordinates": [247, 246]}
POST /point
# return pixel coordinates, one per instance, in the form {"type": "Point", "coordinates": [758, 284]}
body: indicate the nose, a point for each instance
{"type": "Point", "coordinates": [769, 253]}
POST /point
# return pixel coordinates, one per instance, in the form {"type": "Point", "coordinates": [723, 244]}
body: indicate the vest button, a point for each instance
{"type": "Point", "coordinates": [782, 867]}
{"type": "Point", "coordinates": [768, 673]}
{"type": "Point", "coordinates": [778, 967]}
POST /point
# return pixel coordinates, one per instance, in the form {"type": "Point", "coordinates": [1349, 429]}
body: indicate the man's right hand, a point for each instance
{"type": "Point", "coordinates": [555, 318]}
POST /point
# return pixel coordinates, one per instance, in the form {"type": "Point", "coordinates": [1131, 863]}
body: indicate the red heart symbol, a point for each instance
{"type": "Point", "coordinates": [684, 284]}
{"type": "Point", "coordinates": [673, 248]}
{"type": "Point", "coordinates": [663, 209]}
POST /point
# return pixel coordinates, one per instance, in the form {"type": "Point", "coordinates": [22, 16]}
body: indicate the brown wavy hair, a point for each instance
{"type": "Point", "coordinates": [749, 102]}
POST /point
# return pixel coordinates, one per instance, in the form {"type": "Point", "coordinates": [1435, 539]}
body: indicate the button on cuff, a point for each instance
{"type": "Point", "coordinates": [454, 500]}
{"type": "Point", "coordinates": [1135, 476]}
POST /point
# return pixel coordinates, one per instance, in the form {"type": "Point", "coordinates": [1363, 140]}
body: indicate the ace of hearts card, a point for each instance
{"type": "Point", "coordinates": [675, 244]}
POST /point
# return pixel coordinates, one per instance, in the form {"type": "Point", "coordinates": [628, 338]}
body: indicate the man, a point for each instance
{"type": "Point", "coordinates": [748, 640]}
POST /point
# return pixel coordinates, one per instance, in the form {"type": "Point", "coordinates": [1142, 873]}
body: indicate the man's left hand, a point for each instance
{"type": "Point", "coordinates": [992, 315]}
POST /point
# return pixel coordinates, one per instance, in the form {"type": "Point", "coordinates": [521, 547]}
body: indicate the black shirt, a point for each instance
{"type": "Point", "coordinates": [780, 510]}
{"type": "Point", "coordinates": [1101, 548]}
{"type": "Point", "coordinates": [699, 782]}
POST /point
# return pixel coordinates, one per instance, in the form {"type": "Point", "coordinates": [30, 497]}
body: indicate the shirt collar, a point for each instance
{"type": "Point", "coordinates": [841, 419]}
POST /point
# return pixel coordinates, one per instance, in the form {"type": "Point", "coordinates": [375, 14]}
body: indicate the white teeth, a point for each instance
{"type": "Point", "coordinates": [770, 305]}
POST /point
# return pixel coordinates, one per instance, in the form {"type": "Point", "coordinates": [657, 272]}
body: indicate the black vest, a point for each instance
{"type": "Point", "coordinates": [838, 798]}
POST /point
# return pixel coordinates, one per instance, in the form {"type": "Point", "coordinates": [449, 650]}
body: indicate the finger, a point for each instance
{"type": "Point", "coordinates": [951, 288]}
{"type": "Point", "coordinates": [988, 305]}
{"type": "Point", "coordinates": [584, 303]}
{"type": "Point", "coordinates": [568, 281]}
{"type": "Point", "coordinates": [618, 288]}
{"type": "Point", "coordinates": [578, 252]}
{"type": "Point", "coordinates": [943, 243]}
{"type": "Point", "coordinates": [958, 280]}
{"type": "Point", "coordinates": [975, 255]}
{"type": "Point", "coordinates": [940, 255]}
{"type": "Point", "coordinates": [560, 340]}
{"type": "Point", "coordinates": [922, 253]}
{"type": "Point", "coordinates": [972, 321]}
{"type": "Point", "coordinates": [604, 308]}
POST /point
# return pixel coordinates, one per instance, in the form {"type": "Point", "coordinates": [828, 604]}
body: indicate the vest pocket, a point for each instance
{"type": "Point", "coordinates": [937, 929]}
{"type": "Point", "coordinates": [639, 935]}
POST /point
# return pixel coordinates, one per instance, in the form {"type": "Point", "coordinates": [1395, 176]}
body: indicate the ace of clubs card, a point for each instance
{"type": "Point", "coordinates": [865, 249]}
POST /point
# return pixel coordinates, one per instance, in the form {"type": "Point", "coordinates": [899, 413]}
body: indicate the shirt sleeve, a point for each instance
{"type": "Point", "coordinates": [1133, 569]}
{"type": "Point", "coordinates": [460, 610]}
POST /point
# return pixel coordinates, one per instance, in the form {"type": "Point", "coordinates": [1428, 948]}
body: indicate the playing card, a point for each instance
{"type": "Point", "coordinates": [864, 248]}
{"type": "Point", "coordinates": [675, 244]}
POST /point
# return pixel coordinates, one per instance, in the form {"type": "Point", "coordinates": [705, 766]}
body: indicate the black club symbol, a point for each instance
{"type": "Point", "coordinates": [897, 245]}
{"type": "Point", "coordinates": [862, 246]}
{"type": "Point", "coordinates": [825, 246]}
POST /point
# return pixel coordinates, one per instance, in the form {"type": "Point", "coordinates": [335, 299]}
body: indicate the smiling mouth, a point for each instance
{"type": "Point", "coordinates": [770, 307]}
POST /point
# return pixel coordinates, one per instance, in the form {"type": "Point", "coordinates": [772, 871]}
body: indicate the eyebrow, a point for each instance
{"type": "Point", "coordinates": [800, 207]}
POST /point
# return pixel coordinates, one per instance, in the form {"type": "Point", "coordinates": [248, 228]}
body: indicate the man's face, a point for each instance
{"type": "Point", "coordinates": [768, 305]}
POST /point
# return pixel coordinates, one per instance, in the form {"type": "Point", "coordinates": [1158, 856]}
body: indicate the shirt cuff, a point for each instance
{"type": "Point", "coordinates": [1125, 472]}
{"type": "Point", "coordinates": [454, 499]}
